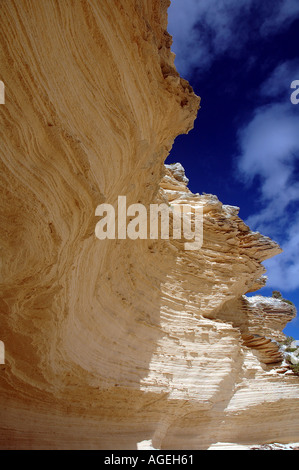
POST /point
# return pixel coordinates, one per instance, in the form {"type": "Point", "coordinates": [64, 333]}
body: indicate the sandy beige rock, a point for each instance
{"type": "Point", "coordinates": [119, 343]}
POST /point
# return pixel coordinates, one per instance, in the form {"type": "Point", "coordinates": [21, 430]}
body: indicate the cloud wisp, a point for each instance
{"type": "Point", "coordinates": [204, 30]}
{"type": "Point", "coordinates": [269, 153]}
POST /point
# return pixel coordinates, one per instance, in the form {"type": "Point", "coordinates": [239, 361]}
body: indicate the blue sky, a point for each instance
{"type": "Point", "coordinates": [241, 57]}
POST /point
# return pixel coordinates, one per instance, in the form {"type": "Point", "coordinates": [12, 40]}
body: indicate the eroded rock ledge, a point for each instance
{"type": "Point", "coordinates": [111, 343]}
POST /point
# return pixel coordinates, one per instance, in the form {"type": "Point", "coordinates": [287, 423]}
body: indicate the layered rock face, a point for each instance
{"type": "Point", "coordinates": [109, 343]}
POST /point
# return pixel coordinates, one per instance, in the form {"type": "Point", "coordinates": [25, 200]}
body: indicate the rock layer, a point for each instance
{"type": "Point", "coordinates": [112, 343]}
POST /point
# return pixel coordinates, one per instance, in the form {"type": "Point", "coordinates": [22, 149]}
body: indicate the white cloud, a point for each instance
{"type": "Point", "coordinates": [269, 151]}
{"type": "Point", "coordinates": [202, 30]}
{"type": "Point", "coordinates": [283, 270]}
{"type": "Point", "coordinates": [269, 147]}
{"type": "Point", "coordinates": [282, 15]}
{"type": "Point", "coordinates": [278, 84]}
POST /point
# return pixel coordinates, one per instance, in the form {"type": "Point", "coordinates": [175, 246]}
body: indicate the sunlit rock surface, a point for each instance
{"type": "Point", "coordinates": [121, 344]}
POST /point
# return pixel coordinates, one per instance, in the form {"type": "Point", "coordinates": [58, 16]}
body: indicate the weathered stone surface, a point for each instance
{"type": "Point", "coordinates": [119, 343]}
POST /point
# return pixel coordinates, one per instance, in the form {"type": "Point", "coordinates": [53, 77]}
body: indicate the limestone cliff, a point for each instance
{"type": "Point", "coordinates": [111, 343]}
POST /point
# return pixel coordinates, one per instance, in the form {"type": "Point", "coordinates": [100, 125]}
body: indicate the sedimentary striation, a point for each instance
{"type": "Point", "coordinates": [111, 343]}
